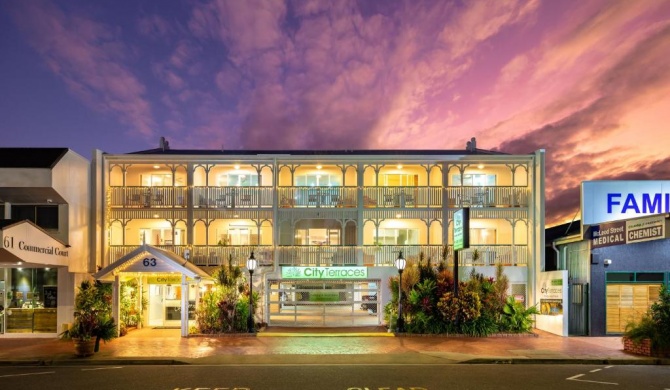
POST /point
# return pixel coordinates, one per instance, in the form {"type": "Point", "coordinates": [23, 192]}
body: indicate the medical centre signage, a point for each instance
{"type": "Point", "coordinates": [606, 201]}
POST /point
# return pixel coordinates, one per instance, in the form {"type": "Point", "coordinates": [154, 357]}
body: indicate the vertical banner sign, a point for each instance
{"type": "Point", "coordinates": [462, 229]}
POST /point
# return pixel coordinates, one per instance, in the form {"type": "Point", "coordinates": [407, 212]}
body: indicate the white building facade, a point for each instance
{"type": "Point", "coordinates": [325, 226]}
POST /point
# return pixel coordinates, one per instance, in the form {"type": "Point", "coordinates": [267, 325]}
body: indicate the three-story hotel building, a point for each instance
{"type": "Point", "coordinates": [325, 226]}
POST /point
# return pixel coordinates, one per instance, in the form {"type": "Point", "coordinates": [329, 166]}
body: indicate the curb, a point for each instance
{"type": "Point", "coordinates": [275, 334]}
{"type": "Point", "coordinates": [85, 362]}
{"type": "Point", "coordinates": [615, 362]}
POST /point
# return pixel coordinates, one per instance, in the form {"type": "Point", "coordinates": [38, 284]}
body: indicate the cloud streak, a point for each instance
{"type": "Point", "coordinates": [91, 60]}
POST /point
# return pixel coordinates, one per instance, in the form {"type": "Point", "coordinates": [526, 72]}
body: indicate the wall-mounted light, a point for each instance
{"type": "Point", "coordinates": [399, 166]}
{"type": "Point", "coordinates": [319, 167]}
{"type": "Point", "coordinates": [237, 167]}
{"type": "Point", "coordinates": [607, 262]}
{"type": "Point", "coordinates": [480, 166]}
{"type": "Point", "coordinates": [156, 166]}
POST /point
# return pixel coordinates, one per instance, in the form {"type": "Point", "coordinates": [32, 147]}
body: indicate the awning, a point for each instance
{"type": "Point", "coordinates": [147, 258]}
{"type": "Point", "coordinates": [25, 244]}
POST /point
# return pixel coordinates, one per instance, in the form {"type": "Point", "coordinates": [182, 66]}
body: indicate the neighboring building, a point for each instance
{"type": "Point", "coordinates": [618, 258]}
{"type": "Point", "coordinates": [44, 202]}
{"type": "Point", "coordinates": [326, 226]}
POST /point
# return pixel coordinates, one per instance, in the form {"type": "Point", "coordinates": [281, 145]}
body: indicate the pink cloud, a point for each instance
{"type": "Point", "coordinates": [89, 58]}
{"type": "Point", "coordinates": [154, 27]}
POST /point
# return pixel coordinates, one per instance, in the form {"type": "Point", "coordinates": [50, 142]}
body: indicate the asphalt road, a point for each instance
{"type": "Point", "coordinates": [337, 377]}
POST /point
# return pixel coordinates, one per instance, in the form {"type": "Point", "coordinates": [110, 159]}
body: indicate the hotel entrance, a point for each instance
{"type": "Point", "coordinates": [165, 295]}
{"type": "Point", "coordinates": [318, 303]}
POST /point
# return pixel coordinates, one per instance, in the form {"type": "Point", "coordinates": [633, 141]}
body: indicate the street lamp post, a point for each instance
{"type": "Point", "coordinates": [251, 266]}
{"type": "Point", "coordinates": [400, 264]}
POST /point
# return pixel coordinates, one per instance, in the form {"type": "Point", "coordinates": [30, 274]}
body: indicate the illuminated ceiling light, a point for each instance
{"type": "Point", "coordinates": [155, 215]}
{"type": "Point", "coordinates": [46, 269]}
{"type": "Point", "coordinates": [237, 167]}
{"type": "Point", "coordinates": [398, 215]}
{"type": "Point", "coordinates": [399, 166]}
{"type": "Point", "coordinates": [319, 167]}
{"type": "Point", "coordinates": [20, 269]}
{"type": "Point", "coordinates": [480, 166]}
{"type": "Point", "coordinates": [19, 262]}
{"type": "Point", "coordinates": [156, 166]}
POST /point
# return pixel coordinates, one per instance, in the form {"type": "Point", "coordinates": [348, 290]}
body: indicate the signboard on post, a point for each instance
{"type": "Point", "coordinates": [462, 229]}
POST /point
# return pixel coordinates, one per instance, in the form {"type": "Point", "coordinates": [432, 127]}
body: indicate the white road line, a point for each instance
{"type": "Point", "coordinates": [609, 366]}
{"type": "Point", "coordinates": [32, 373]}
{"type": "Point", "coordinates": [596, 370]}
{"type": "Point", "coordinates": [100, 368]}
{"type": "Point", "coordinates": [574, 378]}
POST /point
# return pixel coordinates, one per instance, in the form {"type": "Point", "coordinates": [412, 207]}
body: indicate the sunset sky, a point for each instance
{"type": "Point", "coordinates": [589, 81]}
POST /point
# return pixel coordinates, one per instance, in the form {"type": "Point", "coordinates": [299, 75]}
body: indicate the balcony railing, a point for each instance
{"type": "Point", "coordinates": [156, 197]}
{"type": "Point", "coordinates": [317, 255]}
{"type": "Point", "coordinates": [402, 196]}
{"type": "Point", "coordinates": [232, 197]}
{"type": "Point", "coordinates": [487, 196]}
{"type": "Point", "coordinates": [326, 255]}
{"type": "Point", "coordinates": [317, 197]}
{"type": "Point", "coordinates": [203, 255]}
{"type": "Point", "coordinates": [486, 254]}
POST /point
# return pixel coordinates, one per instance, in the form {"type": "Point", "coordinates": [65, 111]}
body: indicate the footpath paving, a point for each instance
{"type": "Point", "coordinates": [298, 346]}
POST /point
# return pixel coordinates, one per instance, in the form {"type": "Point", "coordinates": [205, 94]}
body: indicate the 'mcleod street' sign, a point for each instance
{"type": "Point", "coordinates": [324, 272]}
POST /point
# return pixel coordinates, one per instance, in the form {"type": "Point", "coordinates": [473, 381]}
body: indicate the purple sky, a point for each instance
{"type": "Point", "coordinates": [589, 81]}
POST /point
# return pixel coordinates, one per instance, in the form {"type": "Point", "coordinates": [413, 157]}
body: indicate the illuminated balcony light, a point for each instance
{"type": "Point", "coordinates": [480, 166]}
{"type": "Point", "coordinates": [399, 166]}
{"type": "Point", "coordinates": [319, 167]}
{"type": "Point", "coordinates": [237, 167]}
{"type": "Point", "coordinates": [156, 166]}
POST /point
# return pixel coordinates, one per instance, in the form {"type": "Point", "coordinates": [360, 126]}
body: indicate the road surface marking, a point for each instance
{"type": "Point", "coordinates": [574, 378]}
{"type": "Point", "coordinates": [32, 373]}
{"type": "Point", "coordinates": [596, 370]}
{"type": "Point", "coordinates": [609, 366]}
{"type": "Point", "coordinates": [100, 368]}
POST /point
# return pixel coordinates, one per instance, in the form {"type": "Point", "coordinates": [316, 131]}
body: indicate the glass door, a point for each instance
{"type": "Point", "coordinates": [156, 314]}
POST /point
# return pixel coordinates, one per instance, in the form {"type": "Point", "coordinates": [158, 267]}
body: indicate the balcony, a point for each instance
{"type": "Point", "coordinates": [317, 197]}
{"type": "Point", "coordinates": [326, 255]}
{"type": "Point", "coordinates": [402, 197]}
{"type": "Point", "coordinates": [203, 255]}
{"type": "Point", "coordinates": [148, 197]}
{"type": "Point", "coordinates": [487, 196]}
{"type": "Point", "coordinates": [233, 197]}
{"type": "Point", "coordinates": [317, 255]}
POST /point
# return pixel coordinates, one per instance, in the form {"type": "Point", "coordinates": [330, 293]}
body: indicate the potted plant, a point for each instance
{"type": "Point", "coordinates": [92, 318]}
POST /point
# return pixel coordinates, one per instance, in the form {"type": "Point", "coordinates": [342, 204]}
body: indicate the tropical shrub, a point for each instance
{"type": "Point", "coordinates": [655, 324]}
{"type": "Point", "coordinates": [516, 317]}
{"type": "Point", "coordinates": [462, 308]}
{"type": "Point", "coordinates": [225, 308]}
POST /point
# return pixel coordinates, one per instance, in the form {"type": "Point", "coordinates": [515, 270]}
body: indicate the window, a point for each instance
{"type": "Point", "coordinates": [477, 179]}
{"type": "Point", "coordinates": [313, 180]}
{"type": "Point", "coordinates": [398, 236]}
{"type": "Point", "coordinates": [482, 236]}
{"type": "Point", "coordinates": [317, 237]}
{"type": "Point", "coordinates": [399, 180]}
{"type": "Point", "coordinates": [238, 180]}
{"type": "Point", "coordinates": [45, 217]}
{"type": "Point", "coordinates": [156, 180]}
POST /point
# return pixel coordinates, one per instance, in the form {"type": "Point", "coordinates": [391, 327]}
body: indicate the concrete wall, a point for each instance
{"type": "Point", "coordinates": [71, 179]}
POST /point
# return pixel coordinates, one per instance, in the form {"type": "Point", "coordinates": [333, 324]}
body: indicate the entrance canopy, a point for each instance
{"type": "Point", "coordinates": [22, 243]}
{"type": "Point", "coordinates": [147, 258]}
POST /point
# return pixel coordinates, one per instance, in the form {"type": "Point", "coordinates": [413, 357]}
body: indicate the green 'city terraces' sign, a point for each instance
{"type": "Point", "coordinates": [324, 272]}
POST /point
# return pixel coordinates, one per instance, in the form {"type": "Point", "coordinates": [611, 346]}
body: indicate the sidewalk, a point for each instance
{"type": "Point", "coordinates": [165, 346]}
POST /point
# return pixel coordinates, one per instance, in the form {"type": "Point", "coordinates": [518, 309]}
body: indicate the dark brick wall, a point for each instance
{"type": "Point", "coordinates": [651, 256]}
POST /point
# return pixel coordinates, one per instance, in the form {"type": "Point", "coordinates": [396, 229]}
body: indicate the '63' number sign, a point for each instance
{"type": "Point", "coordinates": [149, 262]}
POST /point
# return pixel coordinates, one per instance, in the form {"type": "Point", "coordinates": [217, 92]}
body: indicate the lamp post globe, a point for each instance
{"type": "Point", "coordinates": [400, 264]}
{"type": "Point", "coordinates": [252, 263]}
